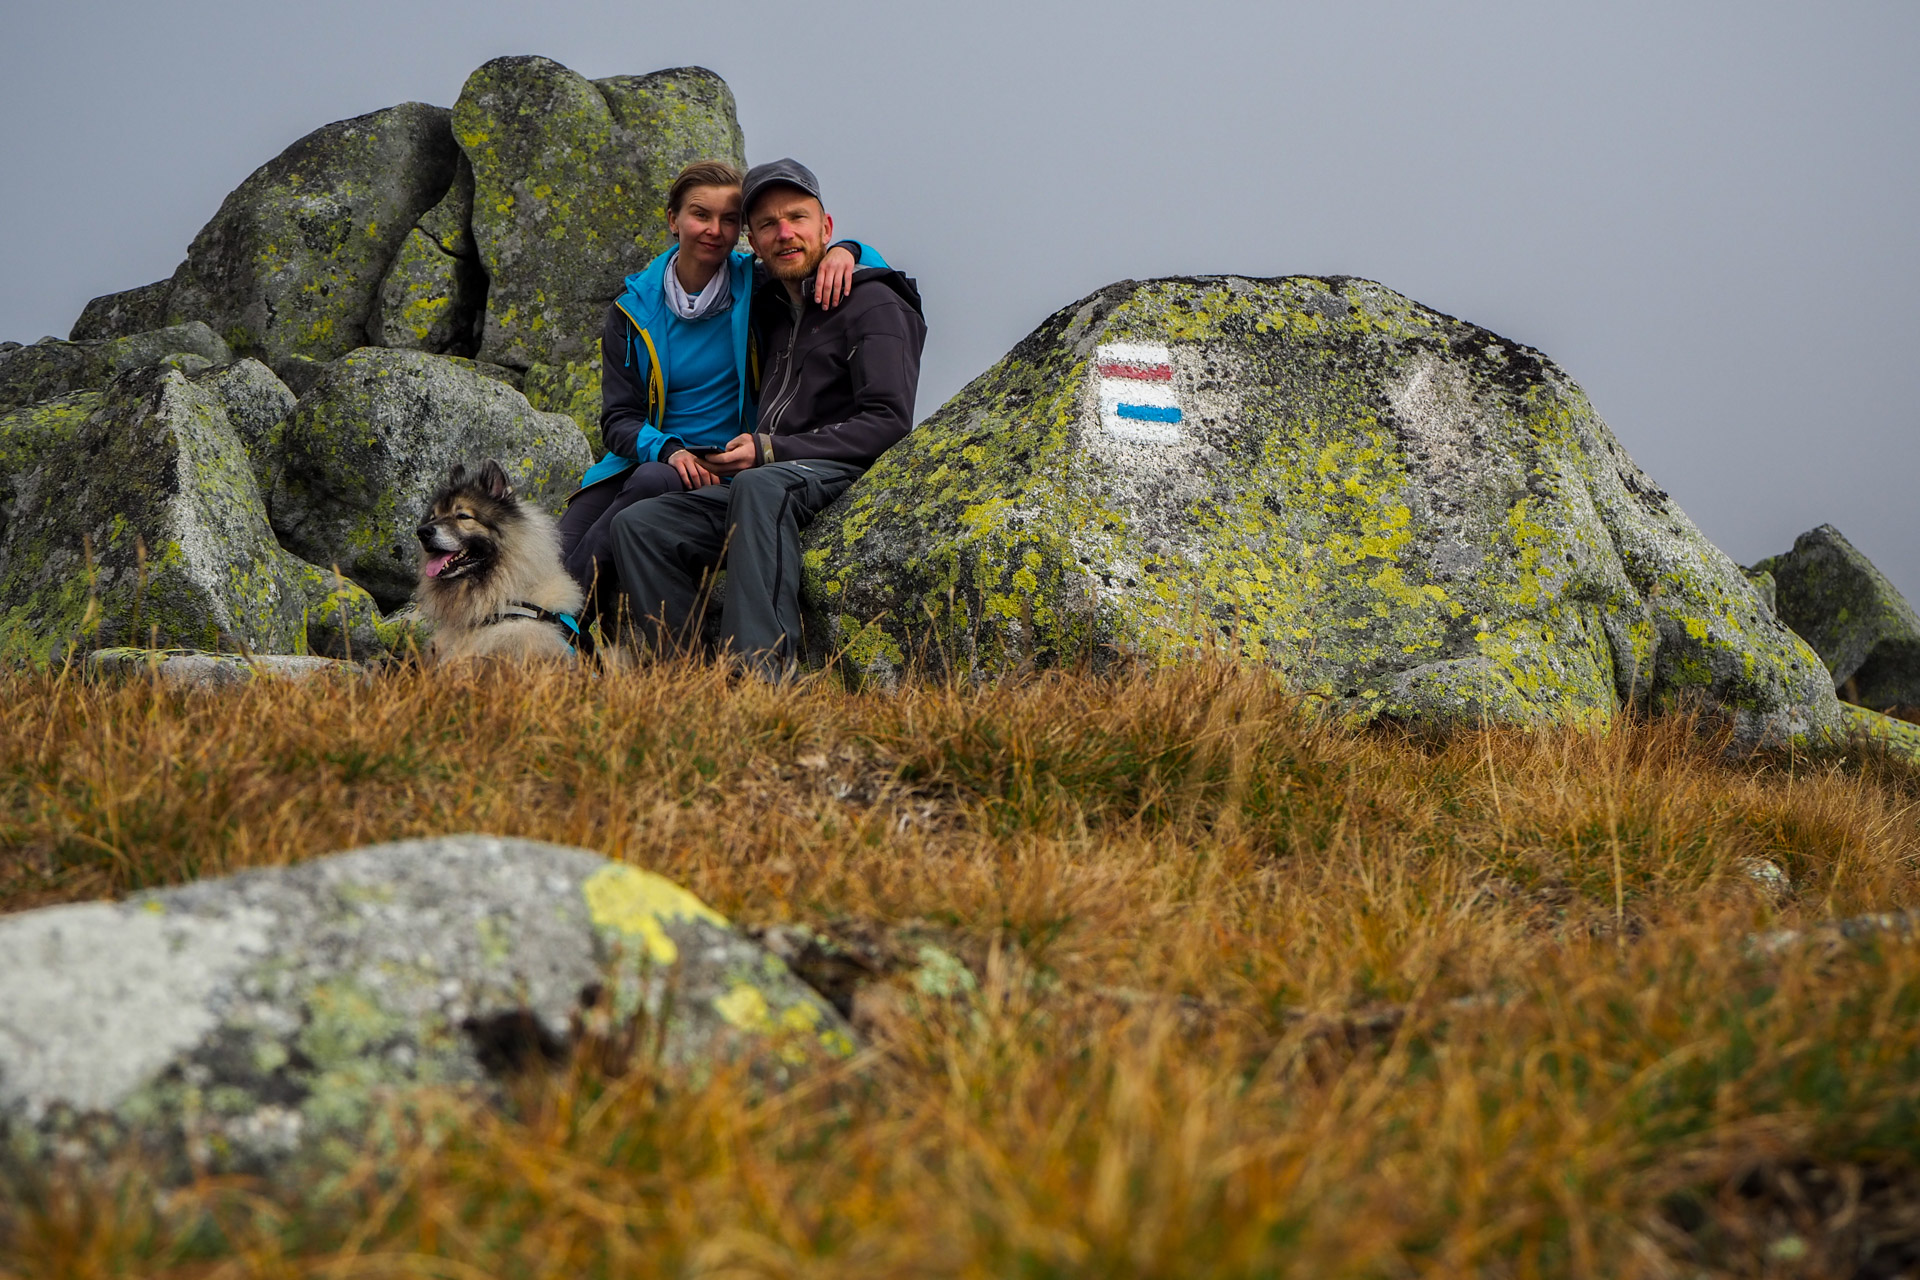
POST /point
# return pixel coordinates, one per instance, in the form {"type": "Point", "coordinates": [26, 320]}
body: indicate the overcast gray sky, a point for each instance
{"type": "Point", "coordinates": [1706, 212]}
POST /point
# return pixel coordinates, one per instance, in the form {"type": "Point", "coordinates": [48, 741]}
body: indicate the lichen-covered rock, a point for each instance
{"type": "Point", "coordinates": [1408, 514]}
{"type": "Point", "coordinates": [341, 618]}
{"type": "Point", "coordinates": [28, 434]}
{"type": "Point", "coordinates": [191, 669]}
{"type": "Point", "coordinates": [572, 389]}
{"type": "Point", "coordinates": [1856, 620]}
{"type": "Point", "coordinates": [672, 118]}
{"type": "Point", "coordinates": [366, 445]}
{"type": "Point", "coordinates": [119, 315]}
{"type": "Point", "coordinates": [257, 1023]}
{"type": "Point", "coordinates": [570, 177]}
{"type": "Point", "coordinates": [133, 517]}
{"type": "Point", "coordinates": [1900, 738]}
{"type": "Point", "coordinates": [54, 368]}
{"type": "Point", "coordinates": [255, 401]}
{"type": "Point", "coordinates": [290, 264]}
{"type": "Point", "coordinates": [434, 294]}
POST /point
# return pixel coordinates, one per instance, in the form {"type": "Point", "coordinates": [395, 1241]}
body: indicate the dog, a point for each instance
{"type": "Point", "coordinates": [491, 582]}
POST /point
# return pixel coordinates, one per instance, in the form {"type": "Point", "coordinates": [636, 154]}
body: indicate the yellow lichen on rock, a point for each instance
{"type": "Point", "coordinates": [640, 904]}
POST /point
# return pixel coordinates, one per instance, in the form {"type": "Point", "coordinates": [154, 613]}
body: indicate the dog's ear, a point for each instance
{"type": "Point", "coordinates": [457, 476]}
{"type": "Point", "coordinates": [493, 480]}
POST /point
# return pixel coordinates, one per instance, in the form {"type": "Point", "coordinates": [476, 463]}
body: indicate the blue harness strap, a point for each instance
{"type": "Point", "coordinates": [569, 625]}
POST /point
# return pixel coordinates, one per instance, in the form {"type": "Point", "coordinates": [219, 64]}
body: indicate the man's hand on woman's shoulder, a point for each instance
{"type": "Point", "coordinates": [834, 279]}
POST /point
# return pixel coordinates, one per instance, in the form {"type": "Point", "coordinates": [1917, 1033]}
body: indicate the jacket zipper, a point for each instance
{"type": "Point", "coordinates": [786, 374]}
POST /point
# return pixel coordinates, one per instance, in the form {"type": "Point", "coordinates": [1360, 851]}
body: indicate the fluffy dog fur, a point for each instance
{"type": "Point", "coordinates": [483, 550]}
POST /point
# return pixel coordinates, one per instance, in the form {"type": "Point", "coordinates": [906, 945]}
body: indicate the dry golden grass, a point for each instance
{"type": "Point", "coordinates": [1255, 995]}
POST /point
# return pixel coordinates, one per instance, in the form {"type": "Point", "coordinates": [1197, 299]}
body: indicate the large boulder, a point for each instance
{"type": "Point", "coordinates": [52, 368]}
{"type": "Point", "coordinates": [1411, 516]}
{"type": "Point", "coordinates": [1856, 620]}
{"type": "Point", "coordinates": [290, 264]}
{"type": "Point", "coordinates": [361, 454]}
{"type": "Point", "coordinates": [259, 1022]}
{"type": "Point", "coordinates": [133, 516]}
{"type": "Point", "coordinates": [570, 180]}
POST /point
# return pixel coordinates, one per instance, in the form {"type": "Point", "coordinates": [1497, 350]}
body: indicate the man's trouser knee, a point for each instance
{"type": "Point", "coordinates": [662, 549]}
{"type": "Point", "coordinates": [769, 507]}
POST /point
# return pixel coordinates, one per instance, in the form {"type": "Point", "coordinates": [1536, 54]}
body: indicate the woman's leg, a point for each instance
{"type": "Point", "coordinates": [586, 508]}
{"type": "Point", "coordinates": [590, 559]}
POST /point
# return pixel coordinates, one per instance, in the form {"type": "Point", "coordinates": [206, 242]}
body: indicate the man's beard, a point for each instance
{"type": "Point", "coordinates": [800, 270]}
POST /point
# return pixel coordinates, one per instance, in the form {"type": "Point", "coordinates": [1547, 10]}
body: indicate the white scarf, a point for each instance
{"type": "Point", "coordinates": [715, 297]}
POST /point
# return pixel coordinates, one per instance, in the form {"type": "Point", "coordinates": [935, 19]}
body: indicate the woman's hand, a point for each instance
{"type": "Point", "coordinates": [692, 474]}
{"type": "Point", "coordinates": [833, 280]}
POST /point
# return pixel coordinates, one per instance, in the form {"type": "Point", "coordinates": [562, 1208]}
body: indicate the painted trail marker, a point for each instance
{"type": "Point", "coordinates": [1137, 399]}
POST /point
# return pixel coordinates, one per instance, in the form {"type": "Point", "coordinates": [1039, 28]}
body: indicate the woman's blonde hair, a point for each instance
{"type": "Point", "coordinates": [701, 173]}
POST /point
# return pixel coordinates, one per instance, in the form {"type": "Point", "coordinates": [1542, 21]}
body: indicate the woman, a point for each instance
{"type": "Point", "coordinates": [677, 365]}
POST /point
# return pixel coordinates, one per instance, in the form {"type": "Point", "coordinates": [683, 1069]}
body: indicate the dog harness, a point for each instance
{"type": "Point", "coordinates": [578, 640]}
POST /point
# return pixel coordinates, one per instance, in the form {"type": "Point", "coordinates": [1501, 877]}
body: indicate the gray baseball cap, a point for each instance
{"type": "Point", "coordinates": [775, 173]}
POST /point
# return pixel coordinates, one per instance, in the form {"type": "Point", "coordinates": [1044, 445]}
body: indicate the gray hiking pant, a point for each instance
{"type": "Point", "coordinates": [664, 546]}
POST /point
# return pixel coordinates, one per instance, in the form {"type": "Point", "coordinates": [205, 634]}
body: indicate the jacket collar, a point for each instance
{"type": "Point", "coordinates": [644, 297]}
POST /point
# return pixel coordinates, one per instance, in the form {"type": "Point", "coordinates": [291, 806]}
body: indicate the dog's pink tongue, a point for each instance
{"type": "Point", "coordinates": [439, 562]}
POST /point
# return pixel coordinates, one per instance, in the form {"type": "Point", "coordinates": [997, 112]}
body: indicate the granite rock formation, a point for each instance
{"type": "Point", "coordinates": [1413, 517]}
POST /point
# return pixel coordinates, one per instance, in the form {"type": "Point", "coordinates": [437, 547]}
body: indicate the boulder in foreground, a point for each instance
{"type": "Point", "coordinates": [258, 1022]}
{"type": "Point", "coordinates": [1856, 620]}
{"type": "Point", "coordinates": [1411, 516]}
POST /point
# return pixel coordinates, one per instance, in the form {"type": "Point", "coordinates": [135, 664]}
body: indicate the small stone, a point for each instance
{"type": "Point", "coordinates": [1768, 876]}
{"type": "Point", "coordinates": [180, 669]}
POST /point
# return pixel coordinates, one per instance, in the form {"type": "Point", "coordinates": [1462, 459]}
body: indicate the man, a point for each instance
{"type": "Point", "coordinates": [836, 391]}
